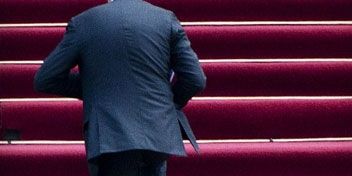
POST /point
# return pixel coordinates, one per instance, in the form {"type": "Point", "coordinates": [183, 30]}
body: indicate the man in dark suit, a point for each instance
{"type": "Point", "coordinates": [133, 119]}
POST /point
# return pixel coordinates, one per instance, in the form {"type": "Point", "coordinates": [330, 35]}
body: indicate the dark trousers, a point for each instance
{"type": "Point", "coordinates": [129, 163]}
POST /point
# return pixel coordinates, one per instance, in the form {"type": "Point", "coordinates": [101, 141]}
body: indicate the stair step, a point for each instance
{"type": "Point", "coordinates": [210, 119]}
{"type": "Point", "coordinates": [226, 79]}
{"type": "Point", "coordinates": [209, 42]}
{"type": "Point", "coordinates": [226, 159]}
{"type": "Point", "coordinates": [33, 11]}
{"type": "Point", "coordinates": [44, 11]}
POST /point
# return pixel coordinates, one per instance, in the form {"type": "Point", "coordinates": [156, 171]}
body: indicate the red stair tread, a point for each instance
{"type": "Point", "coordinates": [210, 119]}
{"type": "Point", "coordinates": [226, 159]}
{"type": "Point", "coordinates": [227, 79]}
{"type": "Point", "coordinates": [32, 11]}
{"type": "Point", "coordinates": [43, 11]}
{"type": "Point", "coordinates": [209, 42]}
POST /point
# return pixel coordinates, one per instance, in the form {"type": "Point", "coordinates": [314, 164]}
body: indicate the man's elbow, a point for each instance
{"type": "Point", "coordinates": [201, 83]}
{"type": "Point", "coordinates": [39, 85]}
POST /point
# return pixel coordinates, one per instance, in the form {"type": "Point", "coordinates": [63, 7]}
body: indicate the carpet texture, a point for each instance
{"type": "Point", "coordinates": [209, 42]}
{"type": "Point", "coordinates": [33, 11]}
{"type": "Point", "coordinates": [210, 119]}
{"type": "Point", "coordinates": [225, 159]}
{"type": "Point", "coordinates": [226, 79]}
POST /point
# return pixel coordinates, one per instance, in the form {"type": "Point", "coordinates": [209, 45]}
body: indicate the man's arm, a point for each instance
{"type": "Point", "coordinates": [190, 78]}
{"type": "Point", "coordinates": [54, 75]}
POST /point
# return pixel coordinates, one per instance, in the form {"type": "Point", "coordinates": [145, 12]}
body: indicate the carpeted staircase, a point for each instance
{"type": "Point", "coordinates": [278, 100]}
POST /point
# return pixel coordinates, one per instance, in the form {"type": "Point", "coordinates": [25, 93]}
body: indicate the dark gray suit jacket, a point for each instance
{"type": "Point", "coordinates": [125, 51]}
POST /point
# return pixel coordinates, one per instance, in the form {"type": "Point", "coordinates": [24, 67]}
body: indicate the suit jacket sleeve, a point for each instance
{"type": "Point", "coordinates": [54, 75]}
{"type": "Point", "coordinates": [190, 78]}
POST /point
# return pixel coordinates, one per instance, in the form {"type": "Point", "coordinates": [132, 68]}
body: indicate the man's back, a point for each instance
{"type": "Point", "coordinates": [126, 55]}
{"type": "Point", "coordinates": [125, 51]}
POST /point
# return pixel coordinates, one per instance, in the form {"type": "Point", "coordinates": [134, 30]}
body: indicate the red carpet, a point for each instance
{"type": "Point", "coordinates": [210, 119]}
{"type": "Point", "coordinates": [19, 11]}
{"type": "Point", "coordinates": [228, 54]}
{"type": "Point", "coordinates": [225, 159]}
{"type": "Point", "coordinates": [228, 79]}
{"type": "Point", "coordinates": [209, 42]}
